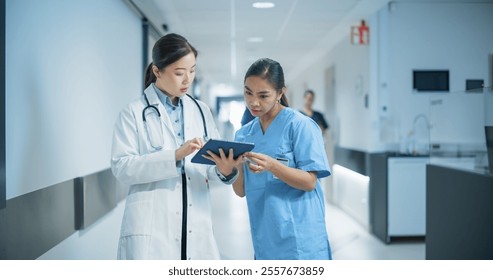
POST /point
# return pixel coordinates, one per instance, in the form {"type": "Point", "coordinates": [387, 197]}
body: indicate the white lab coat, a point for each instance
{"type": "Point", "coordinates": [151, 226]}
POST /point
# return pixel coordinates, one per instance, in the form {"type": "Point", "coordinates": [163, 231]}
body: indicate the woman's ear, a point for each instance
{"type": "Point", "coordinates": [283, 92]}
{"type": "Point", "coordinates": [156, 71]}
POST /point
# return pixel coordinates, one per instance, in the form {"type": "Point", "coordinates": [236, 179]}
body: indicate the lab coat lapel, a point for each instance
{"type": "Point", "coordinates": [188, 116]}
{"type": "Point", "coordinates": [192, 119]}
{"type": "Point", "coordinates": [154, 100]}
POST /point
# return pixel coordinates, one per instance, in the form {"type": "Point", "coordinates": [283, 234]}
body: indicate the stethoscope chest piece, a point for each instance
{"type": "Point", "coordinates": [154, 129]}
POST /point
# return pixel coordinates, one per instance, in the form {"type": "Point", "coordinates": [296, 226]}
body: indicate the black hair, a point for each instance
{"type": "Point", "coordinates": [271, 71]}
{"type": "Point", "coordinates": [309, 91]}
{"type": "Point", "coordinates": [167, 50]}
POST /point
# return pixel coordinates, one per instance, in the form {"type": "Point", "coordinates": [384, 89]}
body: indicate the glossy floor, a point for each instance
{"type": "Point", "coordinates": [349, 240]}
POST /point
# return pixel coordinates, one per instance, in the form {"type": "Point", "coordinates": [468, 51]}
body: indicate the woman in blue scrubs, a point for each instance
{"type": "Point", "coordinates": [280, 177]}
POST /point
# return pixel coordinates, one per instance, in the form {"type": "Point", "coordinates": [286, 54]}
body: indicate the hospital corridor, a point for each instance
{"type": "Point", "coordinates": [244, 130]}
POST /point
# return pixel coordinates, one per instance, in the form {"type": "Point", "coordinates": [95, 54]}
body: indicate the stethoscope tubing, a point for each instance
{"type": "Point", "coordinates": [152, 107]}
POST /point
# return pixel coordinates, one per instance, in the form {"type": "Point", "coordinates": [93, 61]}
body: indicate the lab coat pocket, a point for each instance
{"type": "Point", "coordinates": [137, 218]}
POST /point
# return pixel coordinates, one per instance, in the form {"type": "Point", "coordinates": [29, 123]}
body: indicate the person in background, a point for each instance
{"type": "Point", "coordinates": [168, 209]}
{"type": "Point", "coordinates": [318, 117]}
{"type": "Point", "coordinates": [280, 177]}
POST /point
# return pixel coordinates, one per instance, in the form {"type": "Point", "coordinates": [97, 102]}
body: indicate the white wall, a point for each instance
{"type": "Point", "coordinates": [405, 36]}
{"type": "Point", "coordinates": [436, 35]}
{"type": "Point", "coordinates": [70, 68]}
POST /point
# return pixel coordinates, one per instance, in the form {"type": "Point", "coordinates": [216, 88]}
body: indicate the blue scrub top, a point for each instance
{"type": "Point", "coordinates": [287, 223]}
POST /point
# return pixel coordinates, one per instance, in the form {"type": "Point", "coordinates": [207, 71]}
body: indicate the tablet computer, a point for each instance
{"type": "Point", "coordinates": [214, 146]}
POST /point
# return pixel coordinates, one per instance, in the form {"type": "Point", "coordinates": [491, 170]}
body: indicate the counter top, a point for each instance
{"type": "Point", "coordinates": [477, 170]}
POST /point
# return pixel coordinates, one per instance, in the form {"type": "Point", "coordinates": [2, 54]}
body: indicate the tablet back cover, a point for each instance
{"type": "Point", "coordinates": [214, 145]}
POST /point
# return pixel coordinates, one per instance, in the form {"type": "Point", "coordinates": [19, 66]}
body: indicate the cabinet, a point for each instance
{"type": "Point", "coordinates": [398, 193]}
{"type": "Point", "coordinates": [459, 210]}
{"type": "Point", "coordinates": [407, 196]}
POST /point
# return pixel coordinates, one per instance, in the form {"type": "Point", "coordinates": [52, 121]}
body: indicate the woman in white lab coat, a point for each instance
{"type": "Point", "coordinates": [168, 212]}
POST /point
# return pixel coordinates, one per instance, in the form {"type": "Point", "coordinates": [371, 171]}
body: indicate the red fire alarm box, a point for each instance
{"type": "Point", "coordinates": [360, 35]}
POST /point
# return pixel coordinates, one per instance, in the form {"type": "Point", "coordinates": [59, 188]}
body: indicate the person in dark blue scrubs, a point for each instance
{"type": "Point", "coordinates": [318, 117]}
{"type": "Point", "coordinates": [247, 117]}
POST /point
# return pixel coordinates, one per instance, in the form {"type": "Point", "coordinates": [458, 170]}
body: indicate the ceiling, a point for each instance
{"type": "Point", "coordinates": [295, 32]}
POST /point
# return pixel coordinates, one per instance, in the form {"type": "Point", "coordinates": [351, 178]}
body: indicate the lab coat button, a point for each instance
{"type": "Point", "coordinates": [190, 205]}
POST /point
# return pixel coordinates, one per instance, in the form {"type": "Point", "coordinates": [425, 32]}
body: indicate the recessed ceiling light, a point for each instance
{"type": "Point", "coordinates": [263, 5]}
{"type": "Point", "coordinates": [255, 39]}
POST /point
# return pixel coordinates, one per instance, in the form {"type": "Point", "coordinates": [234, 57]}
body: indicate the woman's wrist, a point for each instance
{"type": "Point", "coordinates": [177, 156]}
{"type": "Point", "coordinates": [274, 166]}
{"type": "Point", "coordinates": [230, 178]}
{"type": "Point", "coordinates": [227, 172]}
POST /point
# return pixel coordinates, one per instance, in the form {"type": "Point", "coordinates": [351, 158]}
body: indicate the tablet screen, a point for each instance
{"type": "Point", "coordinates": [239, 148]}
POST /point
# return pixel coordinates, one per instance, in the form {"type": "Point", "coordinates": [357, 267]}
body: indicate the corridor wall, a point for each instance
{"type": "Point", "coordinates": [71, 66]}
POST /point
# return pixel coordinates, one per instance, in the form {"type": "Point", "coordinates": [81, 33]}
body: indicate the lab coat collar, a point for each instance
{"type": "Point", "coordinates": [153, 98]}
{"type": "Point", "coordinates": [188, 113]}
{"type": "Point", "coordinates": [165, 99]}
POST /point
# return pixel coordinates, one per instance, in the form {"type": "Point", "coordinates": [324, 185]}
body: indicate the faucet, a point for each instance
{"type": "Point", "coordinates": [413, 131]}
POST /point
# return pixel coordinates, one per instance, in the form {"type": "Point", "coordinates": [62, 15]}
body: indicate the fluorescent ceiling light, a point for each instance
{"type": "Point", "coordinates": [263, 5]}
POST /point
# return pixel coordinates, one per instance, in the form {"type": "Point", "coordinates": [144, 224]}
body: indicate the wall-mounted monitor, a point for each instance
{"type": "Point", "coordinates": [474, 86]}
{"type": "Point", "coordinates": [431, 80]}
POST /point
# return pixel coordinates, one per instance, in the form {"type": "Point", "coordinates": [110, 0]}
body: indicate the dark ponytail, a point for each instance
{"type": "Point", "coordinates": [271, 71]}
{"type": "Point", "coordinates": [167, 50]}
{"type": "Point", "coordinates": [149, 77]}
{"type": "Point", "coordinates": [284, 100]}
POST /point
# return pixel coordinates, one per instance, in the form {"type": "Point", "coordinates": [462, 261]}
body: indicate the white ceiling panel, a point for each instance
{"type": "Point", "coordinates": [220, 30]}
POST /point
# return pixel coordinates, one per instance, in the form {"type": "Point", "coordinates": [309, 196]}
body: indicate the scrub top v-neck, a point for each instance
{"type": "Point", "coordinates": [287, 223]}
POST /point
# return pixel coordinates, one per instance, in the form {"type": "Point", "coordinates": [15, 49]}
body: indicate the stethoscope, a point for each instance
{"type": "Point", "coordinates": [157, 139]}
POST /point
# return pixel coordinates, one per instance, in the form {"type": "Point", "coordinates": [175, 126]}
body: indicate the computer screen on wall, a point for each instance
{"type": "Point", "coordinates": [474, 85]}
{"type": "Point", "coordinates": [431, 80]}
